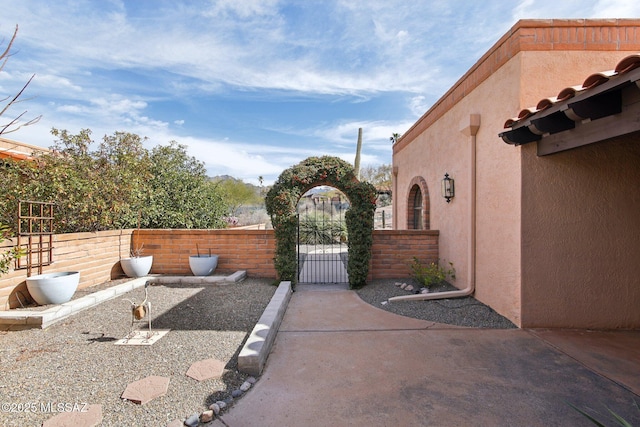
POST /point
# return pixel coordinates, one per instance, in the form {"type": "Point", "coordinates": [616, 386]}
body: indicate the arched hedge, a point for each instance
{"type": "Point", "coordinates": [282, 200]}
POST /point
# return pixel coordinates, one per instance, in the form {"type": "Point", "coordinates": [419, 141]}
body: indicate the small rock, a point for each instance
{"type": "Point", "coordinates": [251, 380]}
{"type": "Point", "coordinates": [215, 408]}
{"type": "Point", "coordinates": [207, 416]}
{"type": "Point", "coordinates": [236, 393]}
{"type": "Point", "coordinates": [424, 290]}
{"type": "Point", "coordinates": [245, 386]}
{"type": "Point", "coordinates": [221, 404]}
{"type": "Point", "coordinates": [409, 288]}
{"type": "Point", "coordinates": [228, 400]}
{"type": "Point", "coordinates": [398, 284]}
{"type": "Point", "coordinates": [404, 285]}
{"type": "Point", "coordinates": [192, 421]}
{"type": "Point", "coordinates": [383, 303]}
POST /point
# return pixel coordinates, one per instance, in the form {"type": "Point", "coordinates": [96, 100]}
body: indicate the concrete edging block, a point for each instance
{"type": "Point", "coordinates": [255, 351]}
{"type": "Point", "coordinates": [238, 276]}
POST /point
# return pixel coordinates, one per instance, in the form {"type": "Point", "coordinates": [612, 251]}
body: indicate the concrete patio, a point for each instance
{"type": "Point", "coordinates": [339, 361]}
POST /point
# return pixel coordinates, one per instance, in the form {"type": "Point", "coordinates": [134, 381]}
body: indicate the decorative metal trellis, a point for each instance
{"type": "Point", "coordinates": [35, 235]}
{"type": "Point", "coordinates": [322, 241]}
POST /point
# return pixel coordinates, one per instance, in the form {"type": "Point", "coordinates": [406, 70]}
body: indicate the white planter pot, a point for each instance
{"type": "Point", "coordinates": [53, 288]}
{"type": "Point", "coordinates": [137, 266]}
{"type": "Point", "coordinates": [203, 265]}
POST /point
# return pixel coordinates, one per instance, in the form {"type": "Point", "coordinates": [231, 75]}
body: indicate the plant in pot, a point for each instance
{"type": "Point", "coordinates": [203, 264]}
{"type": "Point", "coordinates": [137, 265]}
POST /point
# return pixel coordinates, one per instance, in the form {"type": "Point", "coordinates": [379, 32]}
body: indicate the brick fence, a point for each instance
{"type": "Point", "coordinates": [238, 249]}
{"type": "Point", "coordinates": [393, 250]}
{"type": "Point", "coordinates": [97, 255]}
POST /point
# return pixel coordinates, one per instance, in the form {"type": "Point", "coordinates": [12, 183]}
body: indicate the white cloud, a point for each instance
{"type": "Point", "coordinates": [94, 61]}
{"type": "Point", "coordinates": [418, 105]}
{"type": "Point", "coordinates": [243, 9]}
{"type": "Point", "coordinates": [575, 9]}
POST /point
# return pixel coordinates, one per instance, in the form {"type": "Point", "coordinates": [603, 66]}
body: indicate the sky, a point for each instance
{"type": "Point", "coordinates": [252, 87]}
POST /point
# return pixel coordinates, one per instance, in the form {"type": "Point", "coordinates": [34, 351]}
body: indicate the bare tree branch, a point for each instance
{"type": "Point", "coordinates": [14, 124]}
{"type": "Point", "coordinates": [6, 54]}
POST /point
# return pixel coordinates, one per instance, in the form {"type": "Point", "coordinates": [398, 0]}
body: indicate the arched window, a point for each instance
{"type": "Point", "coordinates": [417, 210]}
{"type": "Point", "coordinates": [418, 205]}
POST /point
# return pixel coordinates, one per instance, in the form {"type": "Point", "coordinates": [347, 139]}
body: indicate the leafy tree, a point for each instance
{"type": "Point", "coordinates": [237, 194]}
{"type": "Point", "coordinates": [125, 167]}
{"type": "Point", "coordinates": [119, 185]}
{"type": "Point", "coordinates": [181, 194]}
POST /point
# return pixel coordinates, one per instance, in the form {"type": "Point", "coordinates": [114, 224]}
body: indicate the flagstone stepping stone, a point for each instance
{"type": "Point", "coordinates": [90, 416]}
{"type": "Point", "coordinates": [206, 369]}
{"type": "Point", "coordinates": [146, 389]}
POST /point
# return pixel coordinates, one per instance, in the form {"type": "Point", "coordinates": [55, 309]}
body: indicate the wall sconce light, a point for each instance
{"type": "Point", "coordinates": [448, 189]}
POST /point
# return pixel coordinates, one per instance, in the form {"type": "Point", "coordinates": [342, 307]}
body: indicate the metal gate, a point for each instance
{"type": "Point", "coordinates": [322, 240]}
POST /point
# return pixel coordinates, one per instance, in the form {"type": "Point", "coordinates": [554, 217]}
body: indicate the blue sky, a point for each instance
{"type": "Point", "coordinates": [254, 86]}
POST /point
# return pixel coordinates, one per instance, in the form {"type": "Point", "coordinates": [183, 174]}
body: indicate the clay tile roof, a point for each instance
{"type": "Point", "coordinates": [626, 65]}
{"type": "Point", "coordinates": [568, 92]}
{"type": "Point", "coordinates": [546, 103]}
{"type": "Point", "coordinates": [597, 79]}
{"type": "Point", "coordinates": [629, 63]}
{"type": "Point", "coordinates": [510, 122]}
{"type": "Point", "coordinates": [524, 113]}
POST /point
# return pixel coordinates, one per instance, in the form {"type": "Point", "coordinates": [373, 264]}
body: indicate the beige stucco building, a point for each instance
{"type": "Point", "coordinates": [547, 236]}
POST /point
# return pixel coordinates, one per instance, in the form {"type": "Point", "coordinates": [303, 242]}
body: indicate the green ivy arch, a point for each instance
{"type": "Point", "coordinates": [282, 200]}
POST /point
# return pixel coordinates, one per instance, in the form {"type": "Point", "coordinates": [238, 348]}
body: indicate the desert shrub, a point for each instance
{"type": "Point", "coordinates": [321, 229]}
{"type": "Point", "coordinates": [432, 273]}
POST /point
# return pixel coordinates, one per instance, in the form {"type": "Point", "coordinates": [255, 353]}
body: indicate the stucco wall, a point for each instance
{"type": "Point", "coordinates": [581, 236]}
{"type": "Point", "coordinates": [443, 147]}
{"type": "Point", "coordinates": [534, 60]}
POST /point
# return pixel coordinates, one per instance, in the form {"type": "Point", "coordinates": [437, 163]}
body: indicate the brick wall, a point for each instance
{"type": "Point", "coordinates": [97, 255]}
{"type": "Point", "coordinates": [238, 249]}
{"type": "Point", "coordinates": [253, 250]}
{"type": "Point", "coordinates": [393, 252]}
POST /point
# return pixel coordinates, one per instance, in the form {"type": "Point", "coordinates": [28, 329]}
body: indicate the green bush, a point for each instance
{"type": "Point", "coordinates": [120, 184]}
{"type": "Point", "coordinates": [282, 199]}
{"type": "Point", "coordinates": [8, 256]}
{"type": "Point", "coordinates": [431, 274]}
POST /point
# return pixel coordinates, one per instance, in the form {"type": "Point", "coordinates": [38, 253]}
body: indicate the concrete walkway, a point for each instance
{"type": "Point", "coordinates": [338, 361]}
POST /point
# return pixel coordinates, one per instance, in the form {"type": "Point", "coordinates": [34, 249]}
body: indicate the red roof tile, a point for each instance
{"type": "Point", "coordinates": [626, 65]}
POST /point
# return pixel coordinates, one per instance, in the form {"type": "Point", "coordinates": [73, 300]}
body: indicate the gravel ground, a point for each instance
{"type": "Point", "coordinates": [458, 311]}
{"type": "Point", "coordinates": [75, 361]}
